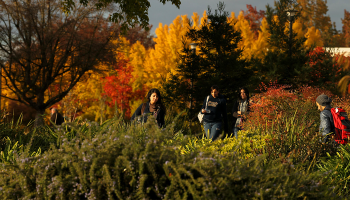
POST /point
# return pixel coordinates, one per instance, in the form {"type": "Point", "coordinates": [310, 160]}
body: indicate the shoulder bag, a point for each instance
{"type": "Point", "coordinates": [200, 114]}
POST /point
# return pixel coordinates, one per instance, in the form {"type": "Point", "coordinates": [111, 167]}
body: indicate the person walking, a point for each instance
{"type": "Point", "coordinates": [240, 109]}
{"type": "Point", "coordinates": [214, 110]}
{"type": "Point", "coordinates": [56, 117]}
{"type": "Point", "coordinates": [323, 103]}
{"type": "Point", "coordinates": [154, 107]}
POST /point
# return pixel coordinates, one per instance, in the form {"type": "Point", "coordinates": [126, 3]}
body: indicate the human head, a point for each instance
{"type": "Point", "coordinates": [53, 110]}
{"type": "Point", "coordinates": [322, 101]}
{"type": "Point", "coordinates": [241, 91]}
{"type": "Point", "coordinates": [156, 91]}
{"type": "Point", "coordinates": [214, 91]}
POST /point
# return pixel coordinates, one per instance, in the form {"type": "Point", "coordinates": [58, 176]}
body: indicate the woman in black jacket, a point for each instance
{"type": "Point", "coordinates": [240, 110]}
{"type": "Point", "coordinates": [214, 110]}
{"type": "Point", "coordinates": [154, 107]}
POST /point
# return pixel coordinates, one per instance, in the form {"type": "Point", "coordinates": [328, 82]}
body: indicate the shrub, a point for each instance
{"type": "Point", "coordinates": [336, 170]}
{"type": "Point", "coordinates": [243, 147]}
{"type": "Point", "coordinates": [124, 161]}
{"type": "Point", "coordinates": [292, 121]}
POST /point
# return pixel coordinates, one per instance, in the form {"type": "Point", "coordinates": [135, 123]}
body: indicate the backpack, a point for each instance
{"type": "Point", "coordinates": [341, 124]}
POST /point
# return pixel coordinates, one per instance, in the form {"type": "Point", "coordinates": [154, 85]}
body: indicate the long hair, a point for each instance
{"type": "Point", "coordinates": [245, 91]}
{"type": "Point", "coordinates": [159, 102]}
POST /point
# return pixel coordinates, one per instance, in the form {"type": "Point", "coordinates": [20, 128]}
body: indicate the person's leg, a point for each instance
{"type": "Point", "coordinates": [235, 131]}
{"type": "Point", "coordinates": [215, 131]}
{"type": "Point", "coordinates": [207, 129]}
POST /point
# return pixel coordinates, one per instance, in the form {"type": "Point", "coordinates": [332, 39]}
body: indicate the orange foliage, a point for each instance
{"type": "Point", "coordinates": [117, 87]}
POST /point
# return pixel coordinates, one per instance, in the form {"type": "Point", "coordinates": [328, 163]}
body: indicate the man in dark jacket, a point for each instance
{"type": "Point", "coordinates": [56, 117]}
{"type": "Point", "coordinates": [323, 103]}
{"type": "Point", "coordinates": [214, 110]}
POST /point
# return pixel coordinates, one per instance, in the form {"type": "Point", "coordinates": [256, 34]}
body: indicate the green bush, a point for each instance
{"type": "Point", "coordinates": [336, 170]}
{"type": "Point", "coordinates": [123, 161]}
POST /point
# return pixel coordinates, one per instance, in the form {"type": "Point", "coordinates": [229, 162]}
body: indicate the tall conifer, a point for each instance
{"type": "Point", "coordinates": [286, 59]}
{"type": "Point", "coordinates": [218, 61]}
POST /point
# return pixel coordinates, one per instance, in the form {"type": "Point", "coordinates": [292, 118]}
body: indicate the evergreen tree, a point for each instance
{"type": "Point", "coordinates": [286, 58]}
{"type": "Point", "coordinates": [218, 61]}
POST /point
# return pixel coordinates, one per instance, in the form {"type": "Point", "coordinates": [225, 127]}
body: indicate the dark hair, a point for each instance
{"type": "Point", "coordinates": [245, 91]}
{"type": "Point", "coordinates": [214, 87]}
{"type": "Point", "coordinates": [159, 102]}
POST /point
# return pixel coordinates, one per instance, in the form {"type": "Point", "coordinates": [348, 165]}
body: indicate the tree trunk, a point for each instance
{"type": "Point", "coordinates": [39, 118]}
{"type": "Point", "coordinates": [40, 111]}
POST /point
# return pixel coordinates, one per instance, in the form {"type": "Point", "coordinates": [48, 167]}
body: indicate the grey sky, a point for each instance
{"type": "Point", "coordinates": [159, 13]}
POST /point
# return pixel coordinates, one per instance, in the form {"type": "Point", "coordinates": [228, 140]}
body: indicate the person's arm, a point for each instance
{"type": "Point", "coordinates": [203, 106]}
{"type": "Point", "coordinates": [248, 108]}
{"type": "Point", "coordinates": [136, 113]}
{"type": "Point", "coordinates": [325, 124]}
{"type": "Point", "coordinates": [235, 109]}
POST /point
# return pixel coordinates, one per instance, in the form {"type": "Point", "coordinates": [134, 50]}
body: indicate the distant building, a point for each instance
{"type": "Point", "coordinates": [339, 50]}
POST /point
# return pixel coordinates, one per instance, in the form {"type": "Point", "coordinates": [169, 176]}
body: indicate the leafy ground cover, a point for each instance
{"type": "Point", "coordinates": [278, 155]}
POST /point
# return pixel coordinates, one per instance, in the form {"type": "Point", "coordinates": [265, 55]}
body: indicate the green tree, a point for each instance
{"type": "Point", "coordinates": [217, 62]}
{"type": "Point", "coordinates": [286, 58]}
{"type": "Point", "coordinates": [130, 12]}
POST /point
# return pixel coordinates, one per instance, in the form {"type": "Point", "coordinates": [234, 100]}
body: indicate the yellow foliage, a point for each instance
{"type": "Point", "coordinates": [87, 97]}
{"type": "Point", "coordinates": [247, 36]}
{"type": "Point", "coordinates": [162, 60]}
{"type": "Point", "coordinates": [313, 36]}
{"type": "Point", "coordinates": [261, 45]}
{"type": "Point", "coordinates": [298, 29]}
{"type": "Point", "coordinates": [243, 146]}
{"type": "Point", "coordinates": [204, 19]}
{"type": "Point", "coordinates": [137, 58]}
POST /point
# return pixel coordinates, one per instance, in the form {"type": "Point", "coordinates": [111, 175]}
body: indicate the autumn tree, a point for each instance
{"type": "Point", "coordinates": [45, 53]}
{"type": "Point", "coordinates": [217, 62]}
{"type": "Point", "coordinates": [314, 14]}
{"type": "Point", "coordinates": [98, 102]}
{"type": "Point", "coordinates": [346, 28]}
{"type": "Point", "coordinates": [254, 18]}
{"type": "Point", "coordinates": [118, 88]}
{"type": "Point", "coordinates": [323, 71]}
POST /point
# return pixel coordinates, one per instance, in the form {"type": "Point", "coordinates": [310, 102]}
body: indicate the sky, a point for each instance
{"type": "Point", "coordinates": [165, 14]}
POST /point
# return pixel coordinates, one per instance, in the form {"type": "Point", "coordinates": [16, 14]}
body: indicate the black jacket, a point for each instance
{"type": "Point", "coordinates": [57, 118]}
{"type": "Point", "coordinates": [159, 114]}
{"type": "Point", "coordinates": [218, 112]}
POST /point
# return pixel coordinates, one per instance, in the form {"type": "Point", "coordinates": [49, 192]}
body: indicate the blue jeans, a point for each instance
{"type": "Point", "coordinates": [213, 128]}
{"type": "Point", "coordinates": [235, 131]}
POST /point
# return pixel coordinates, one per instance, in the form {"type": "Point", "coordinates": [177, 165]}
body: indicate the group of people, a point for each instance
{"type": "Point", "coordinates": [214, 110]}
